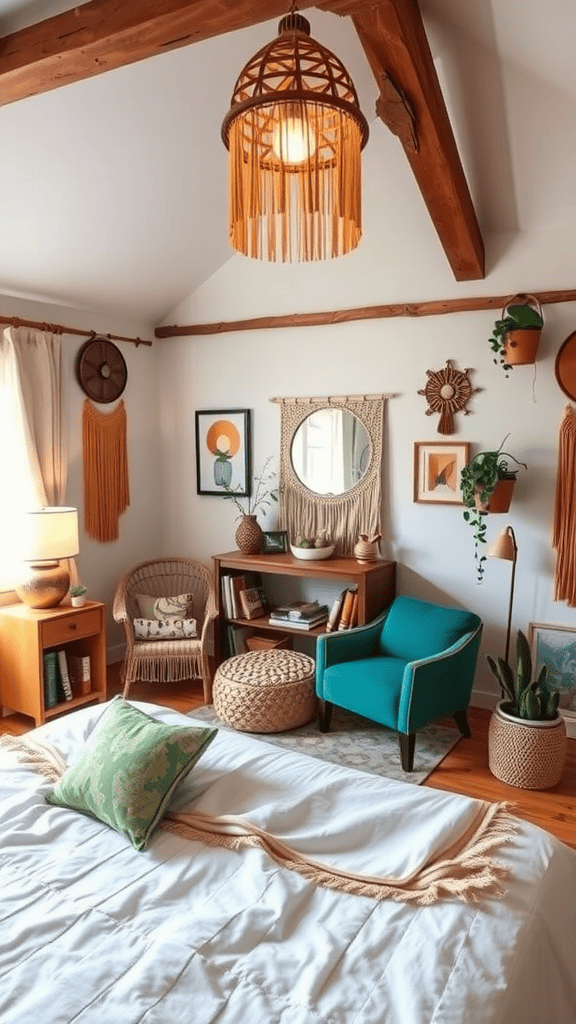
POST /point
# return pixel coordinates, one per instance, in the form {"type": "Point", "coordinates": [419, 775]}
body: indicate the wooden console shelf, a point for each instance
{"type": "Point", "coordinates": [26, 634]}
{"type": "Point", "coordinates": [376, 582]}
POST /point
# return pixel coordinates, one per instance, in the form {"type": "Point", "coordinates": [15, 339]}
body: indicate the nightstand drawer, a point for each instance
{"type": "Point", "coordinates": [70, 627]}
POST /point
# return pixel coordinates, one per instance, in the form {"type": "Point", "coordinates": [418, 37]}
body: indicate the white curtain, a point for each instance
{"type": "Point", "coordinates": [33, 453]}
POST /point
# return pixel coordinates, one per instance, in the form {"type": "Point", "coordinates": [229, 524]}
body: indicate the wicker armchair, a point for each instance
{"type": "Point", "coordinates": [167, 660]}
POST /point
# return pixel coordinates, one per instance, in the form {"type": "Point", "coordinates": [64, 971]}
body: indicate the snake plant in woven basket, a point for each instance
{"type": "Point", "coordinates": [524, 697]}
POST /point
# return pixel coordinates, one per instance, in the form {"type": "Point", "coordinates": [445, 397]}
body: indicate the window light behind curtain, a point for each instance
{"type": "Point", "coordinates": [33, 454]}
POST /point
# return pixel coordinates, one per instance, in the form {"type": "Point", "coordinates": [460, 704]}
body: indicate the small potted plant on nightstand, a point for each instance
{"type": "Point", "coordinates": [78, 595]}
{"type": "Point", "coordinates": [527, 733]}
{"type": "Point", "coordinates": [487, 483]}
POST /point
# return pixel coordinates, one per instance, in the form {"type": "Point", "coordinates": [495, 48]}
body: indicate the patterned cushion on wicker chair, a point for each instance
{"type": "Point", "coordinates": [167, 660]}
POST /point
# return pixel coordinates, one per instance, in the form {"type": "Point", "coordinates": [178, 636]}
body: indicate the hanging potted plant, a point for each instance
{"type": "Point", "coordinates": [487, 483]}
{"type": "Point", "coordinates": [516, 335]}
{"type": "Point", "coordinates": [249, 532]}
{"type": "Point", "coordinates": [527, 733]}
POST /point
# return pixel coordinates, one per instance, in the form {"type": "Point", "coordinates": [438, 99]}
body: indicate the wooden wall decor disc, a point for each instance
{"type": "Point", "coordinates": [565, 366]}
{"type": "Point", "coordinates": [101, 370]}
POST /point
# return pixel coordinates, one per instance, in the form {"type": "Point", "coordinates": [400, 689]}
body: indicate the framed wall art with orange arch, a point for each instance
{"type": "Point", "coordinates": [223, 451]}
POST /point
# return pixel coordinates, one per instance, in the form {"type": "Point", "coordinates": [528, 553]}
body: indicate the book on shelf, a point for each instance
{"type": "Point", "coordinates": [303, 624]}
{"type": "Point", "coordinates": [79, 671]}
{"type": "Point", "coordinates": [334, 616]}
{"type": "Point", "coordinates": [300, 611]}
{"type": "Point", "coordinates": [64, 675]}
{"type": "Point", "coordinates": [237, 583]}
{"type": "Point", "coordinates": [347, 608]}
{"type": "Point", "coordinates": [226, 596]}
{"type": "Point", "coordinates": [254, 602]}
{"type": "Point", "coordinates": [50, 679]}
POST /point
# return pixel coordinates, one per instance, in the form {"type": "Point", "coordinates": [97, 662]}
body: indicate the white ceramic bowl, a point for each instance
{"type": "Point", "coordinates": [312, 554]}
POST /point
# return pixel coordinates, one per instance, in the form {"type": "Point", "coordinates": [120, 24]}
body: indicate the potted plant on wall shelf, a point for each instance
{"type": "Point", "coordinates": [487, 483]}
{"type": "Point", "coordinates": [527, 733]}
{"type": "Point", "coordinates": [249, 533]}
{"type": "Point", "coordinates": [516, 335]}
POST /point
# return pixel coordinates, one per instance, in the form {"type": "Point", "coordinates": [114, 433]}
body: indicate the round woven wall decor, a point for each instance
{"type": "Point", "coordinates": [101, 370]}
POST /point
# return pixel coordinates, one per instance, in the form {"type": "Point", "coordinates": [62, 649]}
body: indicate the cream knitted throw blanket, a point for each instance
{"type": "Point", "coordinates": [465, 868]}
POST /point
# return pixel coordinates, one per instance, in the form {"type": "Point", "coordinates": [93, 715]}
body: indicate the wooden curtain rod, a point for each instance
{"type": "Point", "coordinates": [17, 321]}
{"type": "Point", "coordinates": [343, 316]}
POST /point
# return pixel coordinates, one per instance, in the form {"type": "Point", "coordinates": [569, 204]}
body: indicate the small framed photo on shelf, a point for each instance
{"type": "Point", "coordinates": [223, 456]}
{"type": "Point", "coordinates": [555, 647]}
{"type": "Point", "coordinates": [275, 542]}
{"type": "Point", "coordinates": [437, 469]}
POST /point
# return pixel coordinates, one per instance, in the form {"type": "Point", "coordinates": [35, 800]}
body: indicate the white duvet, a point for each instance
{"type": "Point", "coordinates": [92, 932]}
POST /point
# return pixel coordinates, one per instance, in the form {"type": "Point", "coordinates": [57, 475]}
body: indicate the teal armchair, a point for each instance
{"type": "Point", "coordinates": [413, 664]}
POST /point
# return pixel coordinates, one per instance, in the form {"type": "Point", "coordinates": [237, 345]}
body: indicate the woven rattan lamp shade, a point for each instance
{"type": "Point", "coordinates": [295, 133]}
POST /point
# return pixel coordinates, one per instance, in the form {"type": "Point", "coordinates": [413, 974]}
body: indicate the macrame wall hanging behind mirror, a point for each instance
{"type": "Point", "coordinates": [331, 468]}
{"type": "Point", "coordinates": [102, 375]}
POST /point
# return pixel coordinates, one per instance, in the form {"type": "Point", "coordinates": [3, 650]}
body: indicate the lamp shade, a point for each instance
{"type": "Point", "coordinates": [49, 534]}
{"type": "Point", "coordinates": [295, 132]}
{"type": "Point", "coordinates": [504, 545]}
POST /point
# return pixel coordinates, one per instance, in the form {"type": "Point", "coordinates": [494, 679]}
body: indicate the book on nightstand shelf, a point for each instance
{"type": "Point", "coordinates": [79, 670]}
{"type": "Point", "coordinates": [334, 617]}
{"type": "Point", "coordinates": [50, 679]}
{"type": "Point", "coordinates": [64, 675]}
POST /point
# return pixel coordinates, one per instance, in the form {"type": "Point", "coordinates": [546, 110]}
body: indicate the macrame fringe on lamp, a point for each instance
{"type": "Point", "coordinates": [295, 133]}
{"type": "Point", "coordinates": [105, 458]}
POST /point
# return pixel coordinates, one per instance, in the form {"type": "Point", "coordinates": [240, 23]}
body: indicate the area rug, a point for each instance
{"type": "Point", "coordinates": [357, 743]}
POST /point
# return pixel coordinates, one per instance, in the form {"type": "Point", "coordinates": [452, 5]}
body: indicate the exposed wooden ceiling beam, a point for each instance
{"type": "Point", "coordinates": [106, 34]}
{"type": "Point", "coordinates": [412, 105]}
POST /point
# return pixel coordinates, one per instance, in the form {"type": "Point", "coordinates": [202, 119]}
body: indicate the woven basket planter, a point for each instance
{"type": "Point", "coordinates": [265, 691]}
{"type": "Point", "coordinates": [526, 754]}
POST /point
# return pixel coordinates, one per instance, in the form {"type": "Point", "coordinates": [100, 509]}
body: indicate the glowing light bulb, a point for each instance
{"type": "Point", "coordinates": [293, 140]}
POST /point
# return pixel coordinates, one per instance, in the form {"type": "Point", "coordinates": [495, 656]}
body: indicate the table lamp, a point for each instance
{"type": "Point", "coordinates": [505, 547]}
{"type": "Point", "coordinates": [48, 534]}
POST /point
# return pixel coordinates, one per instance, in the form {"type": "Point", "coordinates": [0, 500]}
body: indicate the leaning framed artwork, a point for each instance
{"type": "Point", "coordinates": [223, 451]}
{"type": "Point", "coordinates": [437, 469]}
{"type": "Point", "coordinates": [555, 647]}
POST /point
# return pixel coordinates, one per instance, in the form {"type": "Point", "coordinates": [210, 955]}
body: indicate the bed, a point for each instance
{"type": "Point", "coordinates": [94, 931]}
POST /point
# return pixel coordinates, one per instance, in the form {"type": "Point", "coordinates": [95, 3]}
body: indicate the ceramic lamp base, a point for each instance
{"type": "Point", "coordinates": [45, 586]}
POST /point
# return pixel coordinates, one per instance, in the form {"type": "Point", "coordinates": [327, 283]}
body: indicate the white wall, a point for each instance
{"type": "Point", "coordinates": [101, 564]}
{"type": "Point", "coordinates": [432, 544]}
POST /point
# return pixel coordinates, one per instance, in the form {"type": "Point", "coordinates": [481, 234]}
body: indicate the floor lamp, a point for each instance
{"type": "Point", "coordinates": [505, 547]}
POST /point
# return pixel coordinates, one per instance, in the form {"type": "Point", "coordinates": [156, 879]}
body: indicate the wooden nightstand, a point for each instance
{"type": "Point", "coordinates": [26, 634]}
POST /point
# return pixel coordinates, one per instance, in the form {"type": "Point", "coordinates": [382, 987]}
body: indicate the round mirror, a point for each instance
{"type": "Point", "coordinates": [330, 451]}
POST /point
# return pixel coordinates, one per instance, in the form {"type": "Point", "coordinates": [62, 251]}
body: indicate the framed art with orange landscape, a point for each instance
{"type": "Point", "coordinates": [437, 469]}
{"type": "Point", "coordinates": [223, 457]}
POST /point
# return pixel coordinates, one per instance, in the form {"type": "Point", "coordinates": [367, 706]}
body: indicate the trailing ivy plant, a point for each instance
{"type": "Point", "coordinates": [517, 316]}
{"type": "Point", "coordinates": [477, 481]}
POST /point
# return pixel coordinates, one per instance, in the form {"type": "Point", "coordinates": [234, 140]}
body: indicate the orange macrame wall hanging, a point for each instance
{"type": "Point", "coordinates": [564, 535]}
{"type": "Point", "coordinates": [106, 490]}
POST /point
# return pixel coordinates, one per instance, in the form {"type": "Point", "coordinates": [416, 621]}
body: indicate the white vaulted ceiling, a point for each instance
{"type": "Point", "coordinates": [113, 189]}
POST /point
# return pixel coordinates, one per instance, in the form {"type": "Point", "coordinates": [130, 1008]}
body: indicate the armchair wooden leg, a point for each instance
{"type": "Point", "coordinates": [407, 743]}
{"type": "Point", "coordinates": [324, 715]}
{"type": "Point", "coordinates": [461, 719]}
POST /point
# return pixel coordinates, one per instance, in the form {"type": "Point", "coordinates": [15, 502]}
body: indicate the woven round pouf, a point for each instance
{"type": "Point", "coordinates": [265, 691]}
{"type": "Point", "coordinates": [528, 756]}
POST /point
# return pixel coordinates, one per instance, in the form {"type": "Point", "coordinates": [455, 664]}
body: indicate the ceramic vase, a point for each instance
{"type": "Point", "coordinates": [367, 548]}
{"type": "Point", "coordinates": [78, 601]}
{"type": "Point", "coordinates": [249, 536]}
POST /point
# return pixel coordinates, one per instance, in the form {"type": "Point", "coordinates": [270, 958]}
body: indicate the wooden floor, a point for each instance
{"type": "Point", "coordinates": [464, 770]}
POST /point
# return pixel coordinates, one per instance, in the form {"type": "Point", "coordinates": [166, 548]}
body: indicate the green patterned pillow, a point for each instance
{"type": "Point", "coordinates": [129, 769]}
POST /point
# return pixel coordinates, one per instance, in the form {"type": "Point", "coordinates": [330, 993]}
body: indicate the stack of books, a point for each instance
{"type": "Point", "coordinates": [300, 615]}
{"type": "Point", "coordinates": [344, 611]}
